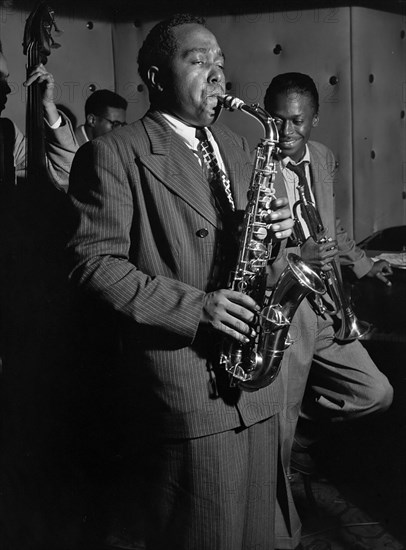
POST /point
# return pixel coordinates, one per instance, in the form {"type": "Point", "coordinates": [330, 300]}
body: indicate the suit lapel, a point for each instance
{"type": "Point", "coordinates": [238, 171]}
{"type": "Point", "coordinates": [172, 162]}
{"type": "Point", "coordinates": [175, 165]}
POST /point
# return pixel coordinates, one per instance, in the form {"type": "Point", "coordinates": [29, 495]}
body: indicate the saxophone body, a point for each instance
{"type": "Point", "coordinates": [350, 327]}
{"type": "Point", "coordinates": [256, 364]}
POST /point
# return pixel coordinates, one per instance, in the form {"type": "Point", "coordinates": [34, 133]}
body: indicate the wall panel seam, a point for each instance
{"type": "Point", "coordinates": [351, 129]}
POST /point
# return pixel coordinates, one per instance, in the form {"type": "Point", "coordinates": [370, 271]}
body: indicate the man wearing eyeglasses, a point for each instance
{"type": "Point", "coordinates": [104, 111]}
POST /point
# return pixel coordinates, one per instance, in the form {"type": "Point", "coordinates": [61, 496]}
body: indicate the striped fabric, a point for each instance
{"type": "Point", "coordinates": [147, 244]}
{"type": "Point", "coordinates": [224, 502]}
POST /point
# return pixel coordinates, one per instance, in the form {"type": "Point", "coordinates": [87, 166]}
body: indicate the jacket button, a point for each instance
{"type": "Point", "coordinates": [202, 233]}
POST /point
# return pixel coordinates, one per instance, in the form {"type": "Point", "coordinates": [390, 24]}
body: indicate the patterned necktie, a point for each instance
{"type": "Point", "coordinates": [218, 180]}
{"type": "Point", "coordinates": [301, 228]}
{"type": "Point", "coordinates": [299, 170]}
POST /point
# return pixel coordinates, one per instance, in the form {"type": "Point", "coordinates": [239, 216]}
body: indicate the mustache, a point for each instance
{"type": "Point", "coordinates": [215, 92]}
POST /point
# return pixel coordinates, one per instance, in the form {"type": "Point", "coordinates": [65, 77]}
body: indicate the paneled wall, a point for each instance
{"type": "Point", "coordinates": [340, 48]}
{"type": "Point", "coordinates": [378, 131]}
{"type": "Point", "coordinates": [355, 55]}
{"type": "Point", "coordinates": [85, 58]}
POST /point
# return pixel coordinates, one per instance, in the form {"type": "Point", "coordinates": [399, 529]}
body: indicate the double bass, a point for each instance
{"type": "Point", "coordinates": [43, 200]}
{"type": "Point", "coordinates": [34, 316]}
{"type": "Point", "coordinates": [37, 45]}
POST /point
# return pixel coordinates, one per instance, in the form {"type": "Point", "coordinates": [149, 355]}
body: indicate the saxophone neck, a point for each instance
{"type": "Point", "coordinates": [231, 103]}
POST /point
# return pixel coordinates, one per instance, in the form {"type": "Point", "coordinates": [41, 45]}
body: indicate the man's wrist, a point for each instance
{"type": "Point", "coordinates": [51, 114]}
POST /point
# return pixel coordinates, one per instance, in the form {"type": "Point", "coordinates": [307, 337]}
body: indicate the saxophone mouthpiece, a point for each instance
{"type": "Point", "coordinates": [230, 102]}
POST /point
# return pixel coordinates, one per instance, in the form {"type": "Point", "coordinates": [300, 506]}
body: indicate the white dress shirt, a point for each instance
{"type": "Point", "coordinates": [188, 135]}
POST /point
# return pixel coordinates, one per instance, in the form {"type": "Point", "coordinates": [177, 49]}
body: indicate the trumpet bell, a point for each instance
{"type": "Point", "coordinates": [352, 328]}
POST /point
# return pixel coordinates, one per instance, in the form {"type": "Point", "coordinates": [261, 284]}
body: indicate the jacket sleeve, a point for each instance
{"type": "Point", "coordinates": [350, 254]}
{"type": "Point", "coordinates": [102, 210]}
{"type": "Point", "coordinates": [61, 146]}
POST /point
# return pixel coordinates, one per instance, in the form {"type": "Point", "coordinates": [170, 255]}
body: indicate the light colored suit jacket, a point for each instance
{"type": "Point", "coordinates": [323, 172]}
{"type": "Point", "coordinates": [61, 147]}
{"type": "Point", "coordinates": [306, 331]}
{"type": "Point", "coordinates": [148, 243]}
{"type": "Point", "coordinates": [323, 175]}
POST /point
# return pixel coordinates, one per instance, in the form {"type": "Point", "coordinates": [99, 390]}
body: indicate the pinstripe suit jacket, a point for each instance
{"type": "Point", "coordinates": [147, 242]}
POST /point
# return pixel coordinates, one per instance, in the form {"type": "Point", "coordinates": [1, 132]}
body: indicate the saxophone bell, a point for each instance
{"type": "Point", "coordinates": [255, 365]}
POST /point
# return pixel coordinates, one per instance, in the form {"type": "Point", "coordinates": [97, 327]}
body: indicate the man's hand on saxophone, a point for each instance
{"type": "Point", "coordinates": [233, 313]}
{"type": "Point", "coordinates": [280, 219]}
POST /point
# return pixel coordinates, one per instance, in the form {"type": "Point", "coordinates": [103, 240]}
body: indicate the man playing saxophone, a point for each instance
{"type": "Point", "coordinates": [342, 380]}
{"type": "Point", "coordinates": [154, 240]}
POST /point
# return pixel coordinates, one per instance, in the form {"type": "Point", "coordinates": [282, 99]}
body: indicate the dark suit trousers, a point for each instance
{"type": "Point", "coordinates": [212, 493]}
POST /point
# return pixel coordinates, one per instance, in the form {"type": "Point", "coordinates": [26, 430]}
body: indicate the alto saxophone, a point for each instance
{"type": "Point", "coordinates": [256, 364]}
{"type": "Point", "coordinates": [351, 328]}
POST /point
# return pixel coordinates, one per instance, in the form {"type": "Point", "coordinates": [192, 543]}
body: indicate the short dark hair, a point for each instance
{"type": "Point", "coordinates": [160, 43]}
{"type": "Point", "coordinates": [292, 82]}
{"type": "Point", "coordinates": [100, 100]}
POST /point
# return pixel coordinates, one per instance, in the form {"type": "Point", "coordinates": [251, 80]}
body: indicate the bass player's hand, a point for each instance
{"type": "Point", "coordinates": [46, 81]}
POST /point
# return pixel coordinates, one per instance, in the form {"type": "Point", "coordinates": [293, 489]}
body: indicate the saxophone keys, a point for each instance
{"type": "Point", "coordinates": [261, 232]}
{"type": "Point", "coordinates": [271, 318]}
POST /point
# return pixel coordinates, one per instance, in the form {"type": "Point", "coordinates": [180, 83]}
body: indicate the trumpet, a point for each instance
{"type": "Point", "coordinates": [350, 328]}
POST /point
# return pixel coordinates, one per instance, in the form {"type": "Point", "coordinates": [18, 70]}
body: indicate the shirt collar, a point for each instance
{"type": "Point", "coordinates": [187, 133]}
{"type": "Point", "coordinates": [306, 158]}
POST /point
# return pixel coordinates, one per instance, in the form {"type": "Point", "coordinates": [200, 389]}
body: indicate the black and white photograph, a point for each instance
{"type": "Point", "coordinates": [202, 275]}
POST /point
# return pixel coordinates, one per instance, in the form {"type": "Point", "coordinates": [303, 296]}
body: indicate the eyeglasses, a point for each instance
{"type": "Point", "coordinates": [114, 123]}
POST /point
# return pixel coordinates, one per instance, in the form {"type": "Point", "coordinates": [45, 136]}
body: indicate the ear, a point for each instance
{"type": "Point", "coordinates": [91, 120]}
{"type": "Point", "coordinates": [315, 120]}
{"type": "Point", "coordinates": [154, 79]}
